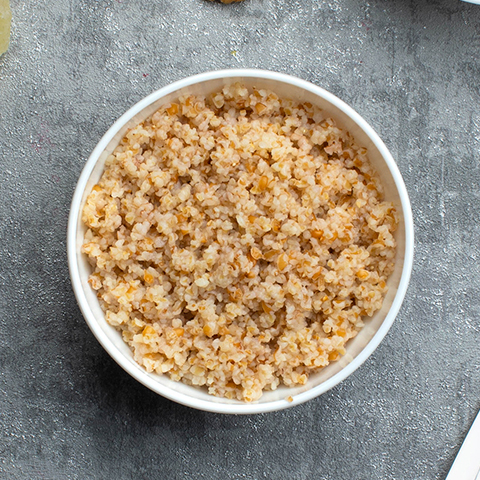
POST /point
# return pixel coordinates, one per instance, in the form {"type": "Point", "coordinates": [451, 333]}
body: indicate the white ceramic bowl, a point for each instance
{"type": "Point", "coordinates": [358, 349]}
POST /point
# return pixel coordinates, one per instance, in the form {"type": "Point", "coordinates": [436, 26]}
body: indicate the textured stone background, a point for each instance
{"type": "Point", "coordinates": [410, 67]}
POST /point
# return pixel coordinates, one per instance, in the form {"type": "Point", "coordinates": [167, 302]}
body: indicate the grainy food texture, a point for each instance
{"type": "Point", "coordinates": [238, 241]}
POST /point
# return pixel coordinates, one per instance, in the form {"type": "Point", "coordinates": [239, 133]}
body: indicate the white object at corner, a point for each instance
{"type": "Point", "coordinates": [476, 2]}
{"type": "Point", "coordinates": [467, 463]}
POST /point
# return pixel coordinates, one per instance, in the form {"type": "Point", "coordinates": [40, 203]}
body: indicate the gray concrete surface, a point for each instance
{"type": "Point", "coordinates": [410, 67]}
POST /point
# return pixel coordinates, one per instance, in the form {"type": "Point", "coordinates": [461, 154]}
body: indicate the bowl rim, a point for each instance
{"type": "Point", "coordinates": [144, 377]}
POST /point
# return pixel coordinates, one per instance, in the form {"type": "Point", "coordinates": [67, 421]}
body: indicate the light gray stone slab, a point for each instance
{"type": "Point", "coordinates": [410, 67]}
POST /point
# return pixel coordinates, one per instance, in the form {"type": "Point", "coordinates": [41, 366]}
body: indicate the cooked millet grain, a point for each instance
{"type": "Point", "coordinates": [237, 240]}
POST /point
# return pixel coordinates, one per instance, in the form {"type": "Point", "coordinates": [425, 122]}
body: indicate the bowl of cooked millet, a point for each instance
{"type": "Point", "coordinates": [240, 241]}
